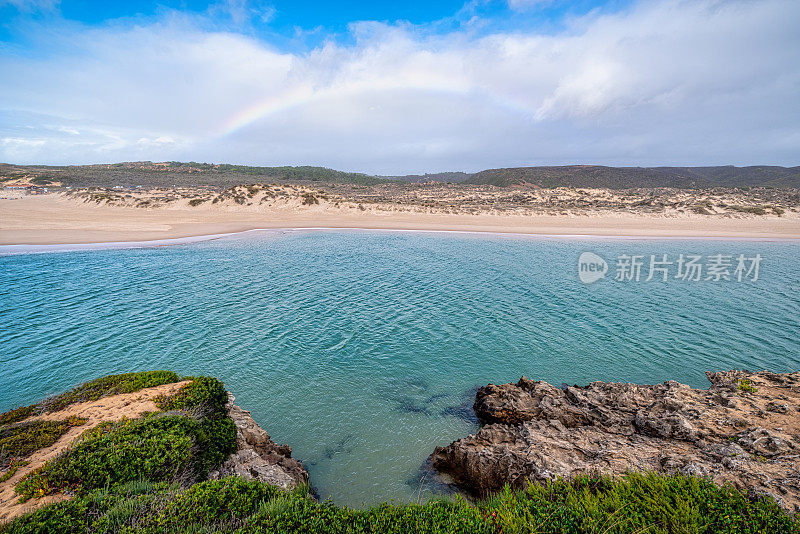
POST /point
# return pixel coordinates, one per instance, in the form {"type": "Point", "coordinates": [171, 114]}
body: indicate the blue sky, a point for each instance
{"type": "Point", "coordinates": [396, 87]}
{"type": "Point", "coordinates": [302, 24]}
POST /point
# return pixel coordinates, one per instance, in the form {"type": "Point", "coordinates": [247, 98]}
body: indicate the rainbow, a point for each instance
{"type": "Point", "coordinates": [306, 94]}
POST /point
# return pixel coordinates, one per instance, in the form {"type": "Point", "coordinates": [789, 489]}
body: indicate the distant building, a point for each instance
{"type": "Point", "coordinates": [27, 189]}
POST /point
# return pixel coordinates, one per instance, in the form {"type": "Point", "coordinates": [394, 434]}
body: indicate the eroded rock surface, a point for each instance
{"type": "Point", "coordinates": [258, 457]}
{"type": "Point", "coordinates": [744, 429]}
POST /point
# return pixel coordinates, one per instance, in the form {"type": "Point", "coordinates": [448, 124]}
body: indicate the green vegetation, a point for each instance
{"type": "Point", "coordinates": [12, 468]}
{"type": "Point", "coordinates": [176, 174]}
{"type": "Point", "coordinates": [755, 210]}
{"type": "Point", "coordinates": [637, 177]}
{"type": "Point", "coordinates": [197, 201]}
{"type": "Point", "coordinates": [745, 386]}
{"type": "Point", "coordinates": [636, 503]}
{"type": "Point", "coordinates": [155, 448]}
{"type": "Point", "coordinates": [309, 199]}
{"type": "Point", "coordinates": [202, 392]}
{"type": "Point", "coordinates": [18, 414]}
{"type": "Point", "coordinates": [194, 174]}
{"type": "Point", "coordinates": [147, 476]}
{"type": "Point", "coordinates": [301, 174]}
{"type": "Point", "coordinates": [194, 436]}
{"type": "Point", "coordinates": [92, 391]}
{"type": "Point", "coordinates": [704, 207]}
{"type": "Point", "coordinates": [21, 439]}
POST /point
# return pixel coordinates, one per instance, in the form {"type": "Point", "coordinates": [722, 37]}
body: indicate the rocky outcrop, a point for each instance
{"type": "Point", "coordinates": [744, 429]}
{"type": "Point", "coordinates": [257, 456]}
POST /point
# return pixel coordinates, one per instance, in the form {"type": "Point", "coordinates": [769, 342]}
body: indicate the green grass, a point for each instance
{"type": "Point", "coordinates": [635, 503]}
{"type": "Point", "coordinates": [156, 448]}
{"type": "Point", "coordinates": [92, 391]}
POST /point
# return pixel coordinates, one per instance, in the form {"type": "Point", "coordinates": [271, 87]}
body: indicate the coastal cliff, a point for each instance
{"type": "Point", "coordinates": [155, 452]}
{"type": "Point", "coordinates": [120, 429]}
{"type": "Point", "coordinates": [743, 430]}
{"type": "Point", "coordinates": [257, 457]}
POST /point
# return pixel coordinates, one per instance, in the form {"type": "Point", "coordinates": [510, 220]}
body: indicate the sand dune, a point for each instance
{"type": "Point", "coordinates": [60, 219]}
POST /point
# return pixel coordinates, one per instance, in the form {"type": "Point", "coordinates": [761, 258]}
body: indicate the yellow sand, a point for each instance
{"type": "Point", "coordinates": [57, 219]}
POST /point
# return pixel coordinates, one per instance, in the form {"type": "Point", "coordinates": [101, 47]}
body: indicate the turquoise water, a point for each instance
{"type": "Point", "coordinates": [360, 349]}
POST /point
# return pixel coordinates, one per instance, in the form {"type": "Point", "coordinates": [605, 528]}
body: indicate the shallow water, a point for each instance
{"type": "Point", "coordinates": [362, 349]}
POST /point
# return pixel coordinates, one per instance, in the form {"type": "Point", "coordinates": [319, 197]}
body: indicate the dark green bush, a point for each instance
{"type": "Point", "coordinates": [230, 498]}
{"type": "Point", "coordinates": [202, 391]}
{"type": "Point", "coordinates": [755, 210]}
{"type": "Point", "coordinates": [21, 439]}
{"type": "Point", "coordinates": [18, 414]}
{"type": "Point", "coordinates": [154, 448]}
{"type": "Point", "coordinates": [309, 199]}
{"type": "Point", "coordinates": [63, 517]}
{"type": "Point", "coordinates": [11, 469]}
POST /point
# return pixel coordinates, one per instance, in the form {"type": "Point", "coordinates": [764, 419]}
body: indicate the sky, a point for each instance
{"type": "Point", "coordinates": [401, 87]}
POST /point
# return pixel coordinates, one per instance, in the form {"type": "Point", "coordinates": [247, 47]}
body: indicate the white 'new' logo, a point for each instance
{"type": "Point", "coordinates": [591, 267]}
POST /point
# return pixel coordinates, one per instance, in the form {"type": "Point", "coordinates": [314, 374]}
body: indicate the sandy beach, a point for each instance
{"type": "Point", "coordinates": [60, 219]}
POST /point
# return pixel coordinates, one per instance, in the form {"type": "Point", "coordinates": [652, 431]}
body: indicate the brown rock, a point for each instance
{"type": "Point", "coordinates": [257, 456]}
{"type": "Point", "coordinates": [532, 430]}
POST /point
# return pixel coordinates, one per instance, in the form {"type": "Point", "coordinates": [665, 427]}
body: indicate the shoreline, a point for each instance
{"type": "Point", "coordinates": [25, 248]}
{"type": "Point", "coordinates": [56, 220]}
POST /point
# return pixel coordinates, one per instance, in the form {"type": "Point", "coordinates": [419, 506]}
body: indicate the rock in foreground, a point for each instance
{"type": "Point", "coordinates": [258, 457]}
{"type": "Point", "coordinates": [744, 429]}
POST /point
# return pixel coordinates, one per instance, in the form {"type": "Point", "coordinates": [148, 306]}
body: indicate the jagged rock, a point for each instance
{"type": "Point", "coordinates": [257, 456]}
{"type": "Point", "coordinates": [744, 430]}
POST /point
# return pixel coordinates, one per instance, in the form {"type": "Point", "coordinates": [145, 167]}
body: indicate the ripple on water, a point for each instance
{"type": "Point", "coordinates": [363, 349]}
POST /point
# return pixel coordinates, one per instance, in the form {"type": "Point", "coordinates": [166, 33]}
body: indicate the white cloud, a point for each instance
{"type": "Point", "coordinates": [524, 5]}
{"type": "Point", "coordinates": [669, 82]}
{"type": "Point", "coordinates": [161, 140]}
{"type": "Point", "coordinates": [243, 12]}
{"type": "Point", "coordinates": [16, 142]}
{"type": "Point", "coordinates": [31, 6]}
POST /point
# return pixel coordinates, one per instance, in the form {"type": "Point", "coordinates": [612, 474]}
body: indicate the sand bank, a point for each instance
{"type": "Point", "coordinates": [56, 219]}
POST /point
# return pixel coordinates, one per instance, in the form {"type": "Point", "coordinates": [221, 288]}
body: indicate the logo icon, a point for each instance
{"type": "Point", "coordinates": [591, 267]}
